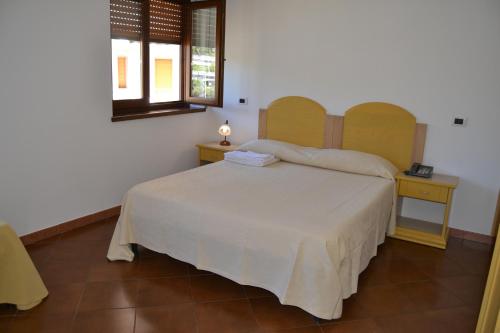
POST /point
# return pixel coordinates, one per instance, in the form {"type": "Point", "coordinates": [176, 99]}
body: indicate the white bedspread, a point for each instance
{"type": "Point", "coordinates": [302, 232]}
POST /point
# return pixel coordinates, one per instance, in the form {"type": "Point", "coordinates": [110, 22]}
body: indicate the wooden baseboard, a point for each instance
{"type": "Point", "coordinates": [70, 225]}
{"type": "Point", "coordinates": [472, 236]}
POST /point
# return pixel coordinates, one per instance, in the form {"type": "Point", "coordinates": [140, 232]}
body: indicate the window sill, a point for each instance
{"type": "Point", "coordinates": [159, 113]}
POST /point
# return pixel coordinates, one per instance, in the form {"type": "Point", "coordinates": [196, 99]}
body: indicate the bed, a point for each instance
{"type": "Point", "coordinates": [303, 228]}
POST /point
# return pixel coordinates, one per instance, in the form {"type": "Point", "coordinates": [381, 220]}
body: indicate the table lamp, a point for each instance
{"type": "Point", "coordinates": [225, 131]}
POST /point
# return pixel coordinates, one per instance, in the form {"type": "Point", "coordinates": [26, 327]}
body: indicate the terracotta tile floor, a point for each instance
{"type": "Point", "coordinates": [407, 288]}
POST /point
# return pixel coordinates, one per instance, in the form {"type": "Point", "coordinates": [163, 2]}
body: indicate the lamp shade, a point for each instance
{"type": "Point", "coordinates": [225, 130]}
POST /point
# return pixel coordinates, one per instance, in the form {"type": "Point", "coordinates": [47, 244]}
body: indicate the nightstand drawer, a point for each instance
{"type": "Point", "coordinates": [423, 191]}
{"type": "Point", "coordinates": [211, 155]}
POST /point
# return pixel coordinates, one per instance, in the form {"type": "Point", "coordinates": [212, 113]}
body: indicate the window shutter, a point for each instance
{"type": "Point", "coordinates": [126, 19]}
{"type": "Point", "coordinates": [165, 21]}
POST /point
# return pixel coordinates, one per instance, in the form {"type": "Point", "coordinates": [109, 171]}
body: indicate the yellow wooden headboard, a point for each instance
{"type": "Point", "coordinates": [297, 120]}
{"type": "Point", "coordinates": [383, 129]}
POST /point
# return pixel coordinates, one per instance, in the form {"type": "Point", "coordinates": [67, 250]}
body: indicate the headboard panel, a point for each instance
{"type": "Point", "coordinates": [382, 129]}
{"type": "Point", "coordinates": [379, 128]}
{"type": "Point", "coordinates": [297, 120]}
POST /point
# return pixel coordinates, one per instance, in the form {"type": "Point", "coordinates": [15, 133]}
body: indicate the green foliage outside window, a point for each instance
{"type": "Point", "coordinates": [199, 86]}
{"type": "Point", "coordinates": [203, 51]}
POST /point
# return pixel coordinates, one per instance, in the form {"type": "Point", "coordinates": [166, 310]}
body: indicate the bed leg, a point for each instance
{"type": "Point", "coordinates": [134, 249]}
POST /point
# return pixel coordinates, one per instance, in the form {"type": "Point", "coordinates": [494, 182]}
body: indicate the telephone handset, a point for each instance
{"type": "Point", "coordinates": [420, 170]}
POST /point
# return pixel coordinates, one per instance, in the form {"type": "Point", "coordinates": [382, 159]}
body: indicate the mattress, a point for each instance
{"type": "Point", "coordinates": [302, 232]}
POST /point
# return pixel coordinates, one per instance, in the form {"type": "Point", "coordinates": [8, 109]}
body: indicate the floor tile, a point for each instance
{"type": "Point", "coordinates": [113, 271]}
{"type": "Point", "coordinates": [355, 326]}
{"type": "Point", "coordinates": [61, 272]}
{"type": "Point", "coordinates": [4, 323]}
{"type": "Point", "coordinates": [105, 321]}
{"type": "Point", "coordinates": [40, 253]}
{"type": "Point", "coordinates": [469, 251]}
{"type": "Point", "coordinates": [469, 288]}
{"type": "Point", "coordinates": [456, 320]}
{"type": "Point", "coordinates": [62, 299]}
{"type": "Point", "coordinates": [162, 266]}
{"type": "Point", "coordinates": [226, 317]}
{"type": "Point", "coordinates": [385, 300]}
{"type": "Point", "coordinates": [429, 295]}
{"type": "Point", "coordinates": [388, 250]}
{"type": "Point", "coordinates": [215, 288]}
{"type": "Point", "coordinates": [407, 323]}
{"type": "Point", "coordinates": [270, 314]}
{"type": "Point", "coordinates": [414, 252]}
{"type": "Point", "coordinates": [89, 251]}
{"type": "Point", "coordinates": [308, 329]}
{"type": "Point", "coordinates": [171, 319]}
{"type": "Point", "coordinates": [41, 324]}
{"type": "Point", "coordinates": [402, 271]}
{"type": "Point", "coordinates": [109, 295]}
{"type": "Point", "coordinates": [164, 291]}
{"type": "Point", "coordinates": [474, 262]}
{"type": "Point", "coordinates": [440, 267]}
{"type": "Point", "coordinates": [376, 274]}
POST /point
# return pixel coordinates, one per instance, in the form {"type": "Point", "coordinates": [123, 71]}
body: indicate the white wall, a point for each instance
{"type": "Point", "coordinates": [434, 58]}
{"type": "Point", "coordinates": [60, 155]}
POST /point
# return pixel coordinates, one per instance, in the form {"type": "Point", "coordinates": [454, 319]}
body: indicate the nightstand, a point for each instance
{"type": "Point", "coordinates": [438, 189]}
{"type": "Point", "coordinates": [213, 152]}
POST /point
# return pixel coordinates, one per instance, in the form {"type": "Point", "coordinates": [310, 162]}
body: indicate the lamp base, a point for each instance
{"type": "Point", "coordinates": [225, 143]}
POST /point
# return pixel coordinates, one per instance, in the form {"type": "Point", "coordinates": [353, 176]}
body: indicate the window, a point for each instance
{"type": "Point", "coordinates": [167, 56]}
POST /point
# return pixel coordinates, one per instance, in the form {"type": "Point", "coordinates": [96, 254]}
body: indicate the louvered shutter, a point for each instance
{"type": "Point", "coordinates": [165, 21]}
{"type": "Point", "coordinates": [126, 19]}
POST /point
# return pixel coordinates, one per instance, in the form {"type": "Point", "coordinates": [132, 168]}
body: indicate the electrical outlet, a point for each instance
{"type": "Point", "coordinates": [243, 100]}
{"type": "Point", "coordinates": [459, 121]}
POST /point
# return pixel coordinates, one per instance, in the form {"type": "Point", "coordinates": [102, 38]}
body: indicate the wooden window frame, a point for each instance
{"type": "Point", "coordinates": [142, 108]}
{"type": "Point", "coordinates": [219, 55]}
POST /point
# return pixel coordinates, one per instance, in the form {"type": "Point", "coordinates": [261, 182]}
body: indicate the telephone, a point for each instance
{"type": "Point", "coordinates": [420, 170]}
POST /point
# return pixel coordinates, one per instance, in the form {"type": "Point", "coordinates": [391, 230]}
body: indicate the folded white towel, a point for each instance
{"type": "Point", "coordinates": [250, 155]}
{"type": "Point", "coordinates": [250, 158]}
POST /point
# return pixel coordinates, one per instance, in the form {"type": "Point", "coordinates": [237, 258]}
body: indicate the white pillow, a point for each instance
{"type": "Point", "coordinates": [334, 159]}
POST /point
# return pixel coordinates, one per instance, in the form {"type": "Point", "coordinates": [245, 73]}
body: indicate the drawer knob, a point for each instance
{"type": "Point", "coordinates": [425, 192]}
